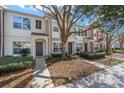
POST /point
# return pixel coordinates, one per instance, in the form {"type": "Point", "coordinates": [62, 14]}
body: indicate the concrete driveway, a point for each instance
{"type": "Point", "coordinates": [109, 78]}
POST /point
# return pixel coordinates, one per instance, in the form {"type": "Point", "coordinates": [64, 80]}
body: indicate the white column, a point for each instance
{"type": "Point", "coordinates": [33, 48]}
{"type": "Point", "coordinates": [74, 48]}
{"type": "Point", "coordinates": [46, 46]}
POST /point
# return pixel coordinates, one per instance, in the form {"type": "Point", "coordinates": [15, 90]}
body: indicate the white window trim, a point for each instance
{"type": "Point", "coordinates": [22, 28]}
{"type": "Point", "coordinates": [59, 51]}
{"type": "Point", "coordinates": [20, 47]}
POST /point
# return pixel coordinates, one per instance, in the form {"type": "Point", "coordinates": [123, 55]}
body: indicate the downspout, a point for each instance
{"type": "Point", "coordinates": [2, 33]}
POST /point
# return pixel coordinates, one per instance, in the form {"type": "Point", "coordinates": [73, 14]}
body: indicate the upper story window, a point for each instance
{"type": "Point", "coordinates": [26, 24]}
{"type": "Point", "coordinates": [80, 32]}
{"type": "Point", "coordinates": [95, 34]}
{"type": "Point", "coordinates": [17, 22]}
{"type": "Point", "coordinates": [85, 33]}
{"type": "Point", "coordinates": [55, 29]}
{"type": "Point", "coordinates": [38, 24]}
{"type": "Point", "coordinates": [21, 23]}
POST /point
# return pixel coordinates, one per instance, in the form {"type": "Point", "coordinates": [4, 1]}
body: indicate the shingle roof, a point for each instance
{"type": "Point", "coordinates": [24, 9]}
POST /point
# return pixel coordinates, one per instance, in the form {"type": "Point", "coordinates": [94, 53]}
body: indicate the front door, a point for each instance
{"type": "Point", "coordinates": [39, 48]}
{"type": "Point", "coordinates": [70, 47]}
{"type": "Point", "coordinates": [85, 47]}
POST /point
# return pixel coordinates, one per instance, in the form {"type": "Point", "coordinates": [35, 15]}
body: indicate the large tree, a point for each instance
{"type": "Point", "coordinates": [67, 17]}
{"type": "Point", "coordinates": [111, 21]}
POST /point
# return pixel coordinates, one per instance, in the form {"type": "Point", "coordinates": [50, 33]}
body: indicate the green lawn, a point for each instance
{"type": "Point", "coordinates": [118, 61]}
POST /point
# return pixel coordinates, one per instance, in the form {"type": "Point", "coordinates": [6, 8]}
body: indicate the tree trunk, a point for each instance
{"type": "Point", "coordinates": [63, 50]}
{"type": "Point", "coordinates": [107, 44]}
{"type": "Point", "coordinates": [121, 45]}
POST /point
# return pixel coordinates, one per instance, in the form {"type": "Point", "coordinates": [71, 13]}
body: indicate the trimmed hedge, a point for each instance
{"type": "Point", "coordinates": [11, 64]}
{"type": "Point", "coordinates": [94, 55]}
{"type": "Point", "coordinates": [60, 55]}
{"type": "Point", "coordinates": [56, 55]}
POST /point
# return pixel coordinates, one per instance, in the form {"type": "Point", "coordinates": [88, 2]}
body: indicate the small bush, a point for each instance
{"type": "Point", "coordinates": [56, 55]}
{"type": "Point", "coordinates": [60, 55]}
{"type": "Point", "coordinates": [95, 55]}
{"type": "Point", "coordinates": [24, 52]}
{"type": "Point", "coordinates": [49, 57]}
{"type": "Point", "coordinates": [11, 64]}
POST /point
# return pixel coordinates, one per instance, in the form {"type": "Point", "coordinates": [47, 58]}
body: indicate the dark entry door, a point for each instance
{"type": "Point", "coordinates": [85, 47]}
{"type": "Point", "coordinates": [39, 48]}
{"type": "Point", "coordinates": [70, 47]}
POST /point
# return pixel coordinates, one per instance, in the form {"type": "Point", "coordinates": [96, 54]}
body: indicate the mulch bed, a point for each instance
{"type": "Point", "coordinates": [19, 79]}
{"type": "Point", "coordinates": [63, 72]}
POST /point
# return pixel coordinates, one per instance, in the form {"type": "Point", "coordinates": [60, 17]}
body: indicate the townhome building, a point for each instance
{"type": "Point", "coordinates": [92, 40]}
{"type": "Point", "coordinates": [26, 27]}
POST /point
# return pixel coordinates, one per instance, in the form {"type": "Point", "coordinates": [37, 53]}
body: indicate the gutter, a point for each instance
{"type": "Point", "coordinates": [2, 33]}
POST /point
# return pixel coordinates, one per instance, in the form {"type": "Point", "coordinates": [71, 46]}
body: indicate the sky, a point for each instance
{"type": "Point", "coordinates": [24, 9]}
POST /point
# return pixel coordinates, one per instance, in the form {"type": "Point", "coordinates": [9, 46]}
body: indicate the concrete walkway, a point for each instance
{"type": "Point", "coordinates": [117, 58]}
{"type": "Point", "coordinates": [96, 64]}
{"type": "Point", "coordinates": [109, 78]}
{"type": "Point", "coordinates": [41, 77]}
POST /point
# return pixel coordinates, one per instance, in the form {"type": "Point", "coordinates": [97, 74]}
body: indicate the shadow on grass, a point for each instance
{"type": "Point", "coordinates": [23, 82]}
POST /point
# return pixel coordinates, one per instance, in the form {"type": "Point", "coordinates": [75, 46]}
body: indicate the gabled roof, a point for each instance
{"type": "Point", "coordinates": [24, 9]}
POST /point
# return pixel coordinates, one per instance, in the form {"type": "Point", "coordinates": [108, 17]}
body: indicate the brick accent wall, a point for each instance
{"type": "Point", "coordinates": [91, 46]}
{"type": "Point", "coordinates": [98, 37]}
{"type": "Point", "coordinates": [91, 35]}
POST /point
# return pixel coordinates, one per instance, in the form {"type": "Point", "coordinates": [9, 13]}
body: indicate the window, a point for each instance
{"type": "Point", "coordinates": [21, 23]}
{"type": "Point", "coordinates": [17, 22]}
{"type": "Point", "coordinates": [18, 45]}
{"type": "Point", "coordinates": [38, 24]}
{"type": "Point", "coordinates": [79, 47]}
{"type": "Point", "coordinates": [85, 33]}
{"type": "Point", "coordinates": [26, 24]}
{"type": "Point", "coordinates": [80, 32]}
{"type": "Point", "coordinates": [96, 47]}
{"type": "Point", "coordinates": [56, 47]}
{"type": "Point", "coordinates": [95, 34]}
{"type": "Point", "coordinates": [55, 29]}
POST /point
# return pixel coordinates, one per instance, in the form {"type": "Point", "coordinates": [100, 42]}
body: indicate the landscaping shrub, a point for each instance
{"type": "Point", "coordinates": [94, 55]}
{"type": "Point", "coordinates": [53, 58]}
{"type": "Point", "coordinates": [56, 55]}
{"type": "Point", "coordinates": [49, 57]}
{"type": "Point", "coordinates": [24, 52]}
{"type": "Point", "coordinates": [11, 64]}
{"type": "Point", "coordinates": [60, 55]}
